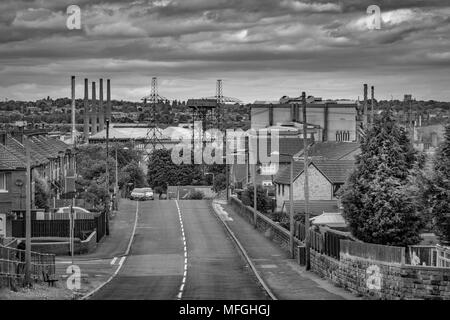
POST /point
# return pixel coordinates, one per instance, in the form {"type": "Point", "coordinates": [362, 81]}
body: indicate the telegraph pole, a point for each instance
{"type": "Point", "coordinates": [27, 215]}
{"type": "Point", "coordinates": [291, 209]}
{"type": "Point", "coordinates": [107, 179]}
{"type": "Point", "coordinates": [306, 185]}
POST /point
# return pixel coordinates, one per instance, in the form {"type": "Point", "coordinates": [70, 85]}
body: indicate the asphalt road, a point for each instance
{"type": "Point", "coordinates": [187, 258]}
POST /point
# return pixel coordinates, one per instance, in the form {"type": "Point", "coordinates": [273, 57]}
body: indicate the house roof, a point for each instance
{"type": "Point", "coordinates": [18, 149]}
{"type": "Point", "coordinates": [331, 150]}
{"type": "Point", "coordinates": [8, 161]}
{"type": "Point", "coordinates": [142, 133]}
{"type": "Point", "coordinates": [336, 171]}
{"type": "Point", "coordinates": [315, 207]}
{"type": "Point", "coordinates": [334, 219]}
{"type": "Point", "coordinates": [287, 147]}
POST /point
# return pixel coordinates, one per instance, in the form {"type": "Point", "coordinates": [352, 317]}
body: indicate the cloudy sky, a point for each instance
{"type": "Point", "coordinates": [262, 49]}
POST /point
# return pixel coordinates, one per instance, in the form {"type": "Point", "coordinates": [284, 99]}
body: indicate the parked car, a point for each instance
{"type": "Point", "coordinates": [148, 193]}
{"type": "Point", "coordinates": [142, 194]}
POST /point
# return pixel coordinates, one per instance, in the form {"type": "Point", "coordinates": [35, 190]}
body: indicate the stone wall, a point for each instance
{"type": "Point", "coordinates": [396, 281]}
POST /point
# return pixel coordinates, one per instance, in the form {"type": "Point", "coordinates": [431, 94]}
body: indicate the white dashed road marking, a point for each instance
{"type": "Point", "coordinates": [113, 261]}
{"type": "Point", "coordinates": [180, 293]}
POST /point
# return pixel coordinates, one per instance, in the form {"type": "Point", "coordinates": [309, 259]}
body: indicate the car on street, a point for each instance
{"type": "Point", "coordinates": [142, 194]}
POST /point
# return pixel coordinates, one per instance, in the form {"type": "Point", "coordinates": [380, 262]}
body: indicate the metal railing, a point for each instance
{"type": "Point", "coordinates": [12, 264]}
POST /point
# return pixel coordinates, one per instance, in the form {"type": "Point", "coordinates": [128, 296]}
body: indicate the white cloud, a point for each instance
{"type": "Point", "coordinates": [39, 19]}
{"type": "Point", "coordinates": [300, 6]}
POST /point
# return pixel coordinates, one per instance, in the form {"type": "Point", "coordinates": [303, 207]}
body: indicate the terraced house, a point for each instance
{"type": "Point", "coordinates": [51, 162]}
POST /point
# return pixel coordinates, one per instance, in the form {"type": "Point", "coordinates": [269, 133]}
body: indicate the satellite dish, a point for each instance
{"type": "Point", "coordinates": [19, 182]}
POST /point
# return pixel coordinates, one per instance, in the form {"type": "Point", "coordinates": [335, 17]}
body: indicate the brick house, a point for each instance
{"type": "Point", "coordinates": [50, 160]}
{"type": "Point", "coordinates": [326, 177]}
{"type": "Point", "coordinates": [332, 162]}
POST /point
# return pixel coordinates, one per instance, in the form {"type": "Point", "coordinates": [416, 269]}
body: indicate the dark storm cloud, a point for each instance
{"type": "Point", "coordinates": [265, 42]}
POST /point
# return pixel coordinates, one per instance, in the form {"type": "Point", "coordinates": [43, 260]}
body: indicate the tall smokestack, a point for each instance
{"type": "Point", "coordinates": [101, 109]}
{"type": "Point", "coordinates": [108, 100]}
{"type": "Point", "coordinates": [86, 109]}
{"type": "Point", "coordinates": [365, 107]}
{"type": "Point", "coordinates": [73, 111]}
{"type": "Point", "coordinates": [372, 114]}
{"type": "Point", "coordinates": [94, 110]}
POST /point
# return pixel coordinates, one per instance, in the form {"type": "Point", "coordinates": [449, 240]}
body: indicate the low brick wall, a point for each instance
{"type": "Point", "coordinates": [265, 225]}
{"type": "Point", "coordinates": [90, 244]}
{"type": "Point", "coordinates": [397, 281]}
{"type": "Point", "coordinates": [60, 246]}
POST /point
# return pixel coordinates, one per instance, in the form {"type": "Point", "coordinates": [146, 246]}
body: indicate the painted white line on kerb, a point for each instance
{"type": "Point", "coordinates": [183, 236]}
{"type": "Point", "coordinates": [113, 261]}
{"type": "Point", "coordinates": [123, 257]}
{"type": "Point", "coordinates": [121, 260]}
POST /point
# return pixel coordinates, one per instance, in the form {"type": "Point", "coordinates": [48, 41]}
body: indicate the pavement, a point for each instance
{"type": "Point", "coordinates": [97, 267]}
{"type": "Point", "coordinates": [181, 251]}
{"type": "Point", "coordinates": [284, 276]}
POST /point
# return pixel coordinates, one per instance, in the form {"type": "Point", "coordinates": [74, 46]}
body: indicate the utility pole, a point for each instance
{"type": "Point", "coordinates": [27, 214]}
{"type": "Point", "coordinates": [116, 186]}
{"type": "Point", "coordinates": [291, 208]}
{"type": "Point", "coordinates": [306, 185]}
{"type": "Point", "coordinates": [107, 179]}
{"type": "Point", "coordinates": [227, 180]}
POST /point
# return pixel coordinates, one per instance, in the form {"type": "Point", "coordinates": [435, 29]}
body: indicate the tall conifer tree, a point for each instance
{"type": "Point", "coordinates": [378, 204]}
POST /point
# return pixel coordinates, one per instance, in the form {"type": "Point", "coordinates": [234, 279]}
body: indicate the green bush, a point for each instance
{"type": "Point", "coordinates": [196, 195]}
{"type": "Point", "coordinates": [263, 202]}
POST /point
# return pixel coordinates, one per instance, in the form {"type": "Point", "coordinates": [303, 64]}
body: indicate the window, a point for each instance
{"type": "Point", "coordinates": [283, 191]}
{"type": "Point", "coordinates": [336, 188]}
{"type": "Point", "coordinates": [3, 187]}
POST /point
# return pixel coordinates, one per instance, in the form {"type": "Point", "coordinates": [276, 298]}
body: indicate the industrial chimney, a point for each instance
{"type": "Point", "coordinates": [108, 100]}
{"type": "Point", "coordinates": [372, 114]}
{"type": "Point", "coordinates": [101, 109]}
{"type": "Point", "coordinates": [73, 111]}
{"type": "Point", "coordinates": [365, 107]}
{"type": "Point", "coordinates": [86, 110]}
{"type": "Point", "coordinates": [94, 110]}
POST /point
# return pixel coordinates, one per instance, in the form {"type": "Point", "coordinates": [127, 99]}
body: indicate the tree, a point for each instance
{"type": "Point", "coordinates": [378, 202]}
{"type": "Point", "coordinates": [436, 191]}
{"type": "Point", "coordinates": [41, 193]}
{"type": "Point", "coordinates": [162, 172]}
{"type": "Point", "coordinates": [262, 200]}
{"type": "Point", "coordinates": [220, 182]}
{"type": "Point", "coordinates": [132, 174]}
